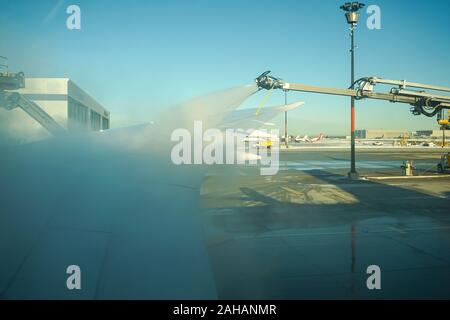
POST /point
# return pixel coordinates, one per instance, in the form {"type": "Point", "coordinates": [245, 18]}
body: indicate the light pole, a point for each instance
{"type": "Point", "coordinates": [286, 139]}
{"type": "Point", "coordinates": [352, 16]}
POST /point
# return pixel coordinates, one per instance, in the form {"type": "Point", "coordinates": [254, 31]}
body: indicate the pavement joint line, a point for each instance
{"type": "Point", "coordinates": [334, 274]}
{"type": "Point", "coordinates": [397, 230]}
{"type": "Point", "coordinates": [339, 233]}
{"type": "Point", "coordinates": [419, 197]}
{"type": "Point", "coordinates": [422, 251]}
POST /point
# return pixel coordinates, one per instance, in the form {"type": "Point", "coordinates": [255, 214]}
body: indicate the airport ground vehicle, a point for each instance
{"type": "Point", "coordinates": [266, 144]}
{"type": "Point", "coordinates": [261, 139]}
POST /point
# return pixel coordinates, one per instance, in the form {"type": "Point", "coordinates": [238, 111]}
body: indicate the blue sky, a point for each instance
{"type": "Point", "coordinates": [136, 57]}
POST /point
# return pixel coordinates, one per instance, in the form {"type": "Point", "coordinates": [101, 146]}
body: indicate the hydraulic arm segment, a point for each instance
{"type": "Point", "coordinates": [414, 94]}
{"type": "Point", "coordinates": [12, 100]}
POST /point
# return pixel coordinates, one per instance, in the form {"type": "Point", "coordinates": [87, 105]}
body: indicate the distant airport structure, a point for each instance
{"type": "Point", "coordinates": [379, 134]}
{"type": "Point", "coordinates": [395, 134]}
{"type": "Point", "coordinates": [431, 133]}
{"type": "Point", "coordinates": [69, 105]}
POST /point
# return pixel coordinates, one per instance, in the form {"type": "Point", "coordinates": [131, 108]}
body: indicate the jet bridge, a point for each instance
{"type": "Point", "coordinates": [427, 103]}
{"type": "Point", "coordinates": [12, 100]}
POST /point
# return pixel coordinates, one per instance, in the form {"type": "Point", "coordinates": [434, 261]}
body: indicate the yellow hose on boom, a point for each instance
{"type": "Point", "coordinates": [261, 105]}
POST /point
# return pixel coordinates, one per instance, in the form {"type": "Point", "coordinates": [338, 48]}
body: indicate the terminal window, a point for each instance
{"type": "Point", "coordinates": [96, 121]}
{"type": "Point", "coordinates": [78, 112]}
{"type": "Point", "coordinates": [105, 123]}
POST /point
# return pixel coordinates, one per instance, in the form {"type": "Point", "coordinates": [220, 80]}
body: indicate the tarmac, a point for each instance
{"type": "Point", "coordinates": [309, 232]}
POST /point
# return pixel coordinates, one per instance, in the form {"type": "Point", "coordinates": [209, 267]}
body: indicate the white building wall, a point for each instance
{"type": "Point", "coordinates": [81, 96]}
{"type": "Point", "coordinates": [438, 133]}
{"type": "Point", "coordinates": [53, 96]}
{"type": "Point", "coordinates": [50, 94]}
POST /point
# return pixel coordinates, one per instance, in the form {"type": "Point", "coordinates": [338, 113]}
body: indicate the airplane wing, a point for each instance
{"type": "Point", "coordinates": [129, 220]}
{"type": "Point", "coordinates": [251, 119]}
{"type": "Point", "coordinates": [111, 203]}
{"type": "Point", "coordinates": [209, 109]}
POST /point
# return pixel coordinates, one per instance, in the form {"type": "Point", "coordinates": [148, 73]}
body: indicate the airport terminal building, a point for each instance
{"type": "Point", "coordinates": [396, 134]}
{"type": "Point", "coordinates": [67, 103]}
{"type": "Point", "coordinates": [64, 101]}
{"type": "Point", "coordinates": [379, 134]}
{"type": "Point", "coordinates": [436, 134]}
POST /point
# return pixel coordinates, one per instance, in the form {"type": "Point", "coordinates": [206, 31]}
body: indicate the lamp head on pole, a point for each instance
{"type": "Point", "coordinates": [351, 9]}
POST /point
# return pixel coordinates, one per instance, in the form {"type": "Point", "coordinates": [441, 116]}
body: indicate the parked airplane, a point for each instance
{"type": "Point", "coordinates": [299, 139]}
{"type": "Point", "coordinates": [307, 139]}
{"type": "Point", "coordinates": [316, 139]}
